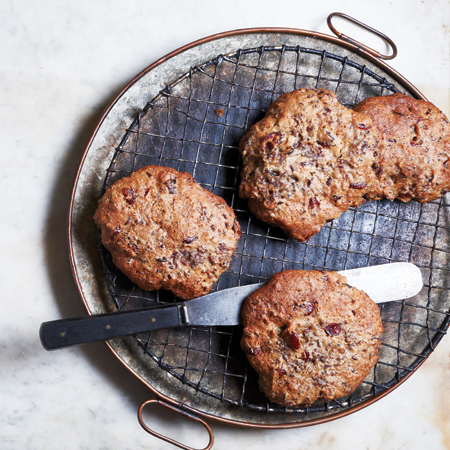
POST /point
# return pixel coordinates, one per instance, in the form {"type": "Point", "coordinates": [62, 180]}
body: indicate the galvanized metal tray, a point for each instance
{"type": "Point", "coordinates": [188, 111]}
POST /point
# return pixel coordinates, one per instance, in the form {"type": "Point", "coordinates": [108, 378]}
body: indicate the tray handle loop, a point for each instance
{"type": "Point", "coordinates": [178, 411]}
{"type": "Point", "coordinates": [359, 44]}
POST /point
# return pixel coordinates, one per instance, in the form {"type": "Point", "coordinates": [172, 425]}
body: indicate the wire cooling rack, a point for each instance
{"type": "Point", "coordinates": [194, 125]}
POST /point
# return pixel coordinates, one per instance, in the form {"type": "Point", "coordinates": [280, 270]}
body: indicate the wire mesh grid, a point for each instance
{"type": "Point", "coordinates": [194, 125]}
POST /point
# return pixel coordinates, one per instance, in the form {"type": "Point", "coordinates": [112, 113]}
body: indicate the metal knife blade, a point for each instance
{"type": "Point", "coordinates": [383, 283]}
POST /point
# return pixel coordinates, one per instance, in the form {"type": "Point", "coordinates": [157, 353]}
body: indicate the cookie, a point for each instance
{"type": "Point", "coordinates": [165, 231]}
{"type": "Point", "coordinates": [414, 147]}
{"type": "Point", "coordinates": [308, 160]}
{"type": "Point", "coordinates": [309, 336]}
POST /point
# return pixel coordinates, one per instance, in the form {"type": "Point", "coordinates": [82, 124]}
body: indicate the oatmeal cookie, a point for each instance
{"type": "Point", "coordinates": [309, 336]}
{"type": "Point", "coordinates": [308, 160]}
{"type": "Point", "coordinates": [414, 147]}
{"type": "Point", "coordinates": [165, 231]}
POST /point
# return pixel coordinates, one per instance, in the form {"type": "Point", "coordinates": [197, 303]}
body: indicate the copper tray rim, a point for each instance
{"type": "Point", "coordinates": [236, 32]}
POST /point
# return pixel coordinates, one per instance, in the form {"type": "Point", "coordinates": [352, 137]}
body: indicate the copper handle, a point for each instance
{"type": "Point", "coordinates": [178, 411]}
{"type": "Point", "coordinates": [359, 44]}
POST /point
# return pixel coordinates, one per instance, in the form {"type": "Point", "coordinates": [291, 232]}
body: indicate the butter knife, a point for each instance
{"type": "Point", "coordinates": [383, 283]}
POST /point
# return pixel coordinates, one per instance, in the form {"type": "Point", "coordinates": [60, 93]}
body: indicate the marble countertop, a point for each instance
{"type": "Point", "coordinates": [61, 63]}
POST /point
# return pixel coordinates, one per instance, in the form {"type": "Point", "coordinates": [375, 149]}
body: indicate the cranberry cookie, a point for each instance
{"type": "Point", "coordinates": [309, 336]}
{"type": "Point", "coordinates": [414, 147]}
{"type": "Point", "coordinates": [165, 231]}
{"type": "Point", "coordinates": [308, 160]}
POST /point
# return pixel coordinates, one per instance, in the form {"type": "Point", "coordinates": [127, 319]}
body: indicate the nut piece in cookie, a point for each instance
{"type": "Point", "coordinates": [165, 231]}
{"type": "Point", "coordinates": [309, 336]}
{"type": "Point", "coordinates": [308, 160]}
{"type": "Point", "coordinates": [414, 148]}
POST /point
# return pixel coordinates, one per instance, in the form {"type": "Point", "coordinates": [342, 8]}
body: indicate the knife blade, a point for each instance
{"type": "Point", "coordinates": [383, 283]}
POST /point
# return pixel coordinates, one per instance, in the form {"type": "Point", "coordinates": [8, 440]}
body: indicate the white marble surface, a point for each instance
{"type": "Point", "coordinates": [60, 65]}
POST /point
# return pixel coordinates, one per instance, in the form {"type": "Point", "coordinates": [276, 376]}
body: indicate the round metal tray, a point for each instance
{"type": "Point", "coordinates": [188, 111]}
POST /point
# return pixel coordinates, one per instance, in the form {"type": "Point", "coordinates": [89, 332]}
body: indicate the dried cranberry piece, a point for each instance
{"type": "Point", "coordinates": [293, 340]}
{"type": "Point", "coordinates": [117, 231]}
{"type": "Point", "coordinates": [329, 181]}
{"type": "Point", "coordinates": [358, 185]}
{"type": "Point", "coordinates": [174, 258]}
{"type": "Point", "coordinates": [305, 355]}
{"type": "Point", "coordinates": [282, 371]}
{"type": "Point", "coordinates": [252, 351]}
{"type": "Point", "coordinates": [376, 168]}
{"type": "Point", "coordinates": [308, 307]}
{"type": "Point", "coordinates": [333, 329]}
{"type": "Point", "coordinates": [171, 185]}
{"type": "Point", "coordinates": [236, 227]}
{"type": "Point", "coordinates": [324, 144]}
{"type": "Point", "coordinates": [270, 141]}
{"type": "Point", "coordinates": [130, 195]}
{"type": "Point", "coordinates": [190, 239]}
{"type": "Point", "coordinates": [313, 202]}
{"type": "Point", "coordinates": [363, 126]}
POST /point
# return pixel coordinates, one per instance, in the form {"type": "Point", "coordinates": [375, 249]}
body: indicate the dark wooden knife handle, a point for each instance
{"type": "Point", "coordinates": [66, 332]}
